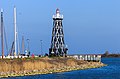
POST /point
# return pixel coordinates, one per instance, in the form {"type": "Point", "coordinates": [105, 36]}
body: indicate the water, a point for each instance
{"type": "Point", "coordinates": [112, 71]}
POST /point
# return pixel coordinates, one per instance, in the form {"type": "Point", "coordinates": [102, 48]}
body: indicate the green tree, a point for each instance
{"type": "Point", "coordinates": [106, 53]}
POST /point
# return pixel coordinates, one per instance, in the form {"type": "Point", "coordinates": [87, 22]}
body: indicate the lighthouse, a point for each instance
{"type": "Point", "coordinates": [58, 47]}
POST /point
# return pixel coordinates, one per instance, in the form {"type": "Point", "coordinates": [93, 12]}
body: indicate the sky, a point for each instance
{"type": "Point", "coordinates": [90, 26]}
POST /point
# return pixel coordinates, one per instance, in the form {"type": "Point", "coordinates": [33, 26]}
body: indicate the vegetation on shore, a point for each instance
{"type": "Point", "coordinates": [32, 66]}
{"type": "Point", "coordinates": [107, 54]}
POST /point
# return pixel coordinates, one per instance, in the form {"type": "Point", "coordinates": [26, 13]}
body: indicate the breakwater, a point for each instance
{"type": "Point", "coordinates": [32, 66]}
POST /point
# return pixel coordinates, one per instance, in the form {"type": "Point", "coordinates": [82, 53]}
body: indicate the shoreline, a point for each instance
{"type": "Point", "coordinates": [35, 66]}
{"type": "Point", "coordinates": [53, 70]}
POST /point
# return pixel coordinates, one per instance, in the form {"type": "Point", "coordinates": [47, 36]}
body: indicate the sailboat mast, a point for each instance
{"type": "Point", "coordinates": [18, 44]}
{"type": "Point", "coordinates": [15, 31]}
{"type": "Point", "coordinates": [2, 34]}
{"type": "Point", "coordinates": [23, 45]}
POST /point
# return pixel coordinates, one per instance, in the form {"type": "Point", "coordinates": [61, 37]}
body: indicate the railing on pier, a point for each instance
{"type": "Point", "coordinates": [88, 57]}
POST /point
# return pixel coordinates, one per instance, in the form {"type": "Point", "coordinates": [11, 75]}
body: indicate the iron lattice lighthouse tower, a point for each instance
{"type": "Point", "coordinates": [58, 47]}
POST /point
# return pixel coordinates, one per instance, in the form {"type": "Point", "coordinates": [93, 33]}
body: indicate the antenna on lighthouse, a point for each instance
{"type": "Point", "coordinates": [15, 31]}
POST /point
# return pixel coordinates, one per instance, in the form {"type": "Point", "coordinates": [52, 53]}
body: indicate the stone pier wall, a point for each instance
{"type": "Point", "coordinates": [21, 67]}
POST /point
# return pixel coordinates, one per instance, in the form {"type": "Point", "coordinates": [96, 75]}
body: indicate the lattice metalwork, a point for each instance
{"type": "Point", "coordinates": [58, 47]}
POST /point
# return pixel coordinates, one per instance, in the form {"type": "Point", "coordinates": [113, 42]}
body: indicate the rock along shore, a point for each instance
{"type": "Point", "coordinates": [33, 66]}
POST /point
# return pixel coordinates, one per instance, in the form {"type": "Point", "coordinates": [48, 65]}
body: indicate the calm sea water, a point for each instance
{"type": "Point", "coordinates": [112, 71]}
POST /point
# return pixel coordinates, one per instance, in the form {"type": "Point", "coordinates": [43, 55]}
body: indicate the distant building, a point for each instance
{"type": "Point", "coordinates": [58, 47]}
